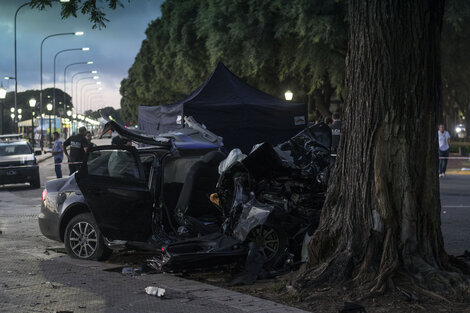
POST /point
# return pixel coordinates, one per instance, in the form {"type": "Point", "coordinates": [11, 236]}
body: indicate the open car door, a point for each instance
{"type": "Point", "coordinates": [113, 183]}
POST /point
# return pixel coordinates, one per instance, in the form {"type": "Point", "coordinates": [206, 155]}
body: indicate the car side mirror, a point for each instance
{"type": "Point", "coordinates": [37, 152]}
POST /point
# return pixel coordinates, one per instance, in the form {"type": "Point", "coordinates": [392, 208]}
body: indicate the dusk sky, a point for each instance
{"type": "Point", "coordinates": [112, 49]}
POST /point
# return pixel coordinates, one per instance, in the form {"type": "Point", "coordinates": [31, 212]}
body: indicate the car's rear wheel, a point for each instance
{"type": "Point", "coordinates": [83, 239]}
{"type": "Point", "coordinates": [36, 181]}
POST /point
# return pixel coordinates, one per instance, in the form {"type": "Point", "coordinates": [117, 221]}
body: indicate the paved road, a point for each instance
{"type": "Point", "coordinates": [455, 213]}
{"type": "Point", "coordinates": [34, 278]}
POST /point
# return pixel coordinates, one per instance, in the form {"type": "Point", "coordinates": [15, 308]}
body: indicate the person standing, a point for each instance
{"type": "Point", "coordinates": [78, 147]}
{"type": "Point", "coordinates": [58, 154]}
{"type": "Point", "coordinates": [444, 141]}
{"type": "Point", "coordinates": [88, 137]}
{"type": "Point", "coordinates": [335, 132]}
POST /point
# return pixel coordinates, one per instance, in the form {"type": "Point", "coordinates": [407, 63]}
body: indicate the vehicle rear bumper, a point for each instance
{"type": "Point", "coordinates": [18, 174]}
{"type": "Point", "coordinates": [49, 223]}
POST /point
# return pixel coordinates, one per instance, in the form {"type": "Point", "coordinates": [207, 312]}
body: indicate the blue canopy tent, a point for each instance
{"type": "Point", "coordinates": [232, 109]}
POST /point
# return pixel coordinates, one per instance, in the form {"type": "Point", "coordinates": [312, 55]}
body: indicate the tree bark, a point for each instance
{"type": "Point", "coordinates": [381, 218]}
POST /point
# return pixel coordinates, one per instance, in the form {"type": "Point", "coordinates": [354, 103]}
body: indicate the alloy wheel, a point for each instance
{"type": "Point", "coordinates": [83, 239]}
{"type": "Point", "coordinates": [267, 239]}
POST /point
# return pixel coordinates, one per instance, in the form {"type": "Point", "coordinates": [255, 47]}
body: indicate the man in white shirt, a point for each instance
{"type": "Point", "coordinates": [444, 141]}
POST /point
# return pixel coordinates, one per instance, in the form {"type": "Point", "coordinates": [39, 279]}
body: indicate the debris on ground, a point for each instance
{"type": "Point", "coordinates": [155, 291]}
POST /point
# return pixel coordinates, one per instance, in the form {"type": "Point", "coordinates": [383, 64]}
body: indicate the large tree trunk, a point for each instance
{"type": "Point", "coordinates": [381, 217]}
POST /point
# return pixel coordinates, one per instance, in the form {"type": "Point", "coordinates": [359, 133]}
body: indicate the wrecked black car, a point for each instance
{"type": "Point", "coordinates": [270, 202]}
{"type": "Point", "coordinates": [190, 203]}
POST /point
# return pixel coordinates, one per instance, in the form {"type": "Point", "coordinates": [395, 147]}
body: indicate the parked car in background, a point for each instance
{"type": "Point", "coordinates": [18, 162]}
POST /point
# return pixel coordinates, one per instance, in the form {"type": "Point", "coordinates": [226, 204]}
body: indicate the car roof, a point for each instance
{"type": "Point", "coordinates": [18, 138]}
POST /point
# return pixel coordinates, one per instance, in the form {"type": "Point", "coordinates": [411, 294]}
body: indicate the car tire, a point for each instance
{"type": "Point", "coordinates": [272, 241]}
{"type": "Point", "coordinates": [36, 182]}
{"type": "Point", "coordinates": [83, 239]}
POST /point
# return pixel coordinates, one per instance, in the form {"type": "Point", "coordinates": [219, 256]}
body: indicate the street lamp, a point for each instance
{"type": "Point", "coordinates": [3, 94]}
{"type": "Point", "coordinates": [49, 109]}
{"type": "Point", "coordinates": [288, 95]}
{"type": "Point", "coordinates": [40, 92]}
{"type": "Point", "coordinates": [32, 105]}
{"type": "Point", "coordinates": [76, 87]}
{"type": "Point", "coordinates": [65, 75]}
{"type": "Point", "coordinates": [73, 76]}
{"type": "Point", "coordinates": [82, 103]}
{"type": "Point", "coordinates": [55, 59]}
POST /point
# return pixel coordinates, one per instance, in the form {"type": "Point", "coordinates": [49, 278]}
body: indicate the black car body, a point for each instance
{"type": "Point", "coordinates": [18, 162]}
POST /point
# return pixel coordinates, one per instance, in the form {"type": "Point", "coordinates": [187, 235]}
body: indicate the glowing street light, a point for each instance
{"type": "Point", "coordinates": [32, 105]}
{"type": "Point", "coordinates": [288, 95]}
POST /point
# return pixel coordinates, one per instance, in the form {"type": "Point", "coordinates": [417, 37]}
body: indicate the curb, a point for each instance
{"type": "Point", "coordinates": [185, 290]}
{"type": "Point", "coordinates": [48, 156]}
{"type": "Point", "coordinates": [457, 172]}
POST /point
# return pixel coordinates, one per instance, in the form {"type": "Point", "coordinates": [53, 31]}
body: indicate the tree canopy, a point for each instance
{"type": "Point", "coordinates": [274, 45]}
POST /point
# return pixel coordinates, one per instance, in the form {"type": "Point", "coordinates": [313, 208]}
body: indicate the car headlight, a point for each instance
{"type": "Point", "coordinates": [458, 129]}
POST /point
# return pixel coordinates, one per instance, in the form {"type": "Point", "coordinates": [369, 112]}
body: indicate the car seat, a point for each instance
{"type": "Point", "coordinates": [194, 210]}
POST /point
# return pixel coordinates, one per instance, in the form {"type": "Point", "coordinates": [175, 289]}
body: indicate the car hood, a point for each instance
{"type": "Point", "coordinates": [16, 159]}
{"type": "Point", "coordinates": [192, 136]}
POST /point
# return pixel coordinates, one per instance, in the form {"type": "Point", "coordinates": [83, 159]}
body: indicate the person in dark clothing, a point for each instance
{"type": "Point", "coordinates": [116, 141]}
{"type": "Point", "coordinates": [335, 132]}
{"type": "Point", "coordinates": [78, 147]}
{"type": "Point", "coordinates": [328, 121]}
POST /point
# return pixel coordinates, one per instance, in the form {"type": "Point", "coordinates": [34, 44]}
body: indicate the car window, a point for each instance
{"type": "Point", "coordinates": [113, 163]}
{"type": "Point", "coordinates": [14, 149]}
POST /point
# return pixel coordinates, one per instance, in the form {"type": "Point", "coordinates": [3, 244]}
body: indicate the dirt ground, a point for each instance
{"type": "Point", "coordinates": [333, 299]}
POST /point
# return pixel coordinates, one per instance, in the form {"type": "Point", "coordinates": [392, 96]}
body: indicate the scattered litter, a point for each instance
{"type": "Point", "coordinates": [46, 252]}
{"type": "Point", "coordinates": [353, 308]}
{"type": "Point", "coordinates": [444, 212]}
{"type": "Point", "coordinates": [408, 295]}
{"type": "Point", "coordinates": [155, 291]}
{"type": "Point", "coordinates": [465, 169]}
{"type": "Point", "coordinates": [129, 271]}
{"type": "Point", "coordinates": [82, 306]}
{"type": "Point", "coordinates": [48, 283]}
{"type": "Point", "coordinates": [1, 232]}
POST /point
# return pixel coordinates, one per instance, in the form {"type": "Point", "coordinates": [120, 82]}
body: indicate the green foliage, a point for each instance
{"type": "Point", "coordinates": [95, 14]}
{"type": "Point", "coordinates": [274, 45]}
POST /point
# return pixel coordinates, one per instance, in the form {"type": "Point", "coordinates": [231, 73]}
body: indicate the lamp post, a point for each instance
{"type": "Point", "coordinates": [40, 92]}
{"type": "Point", "coordinates": [3, 94]}
{"type": "Point", "coordinates": [65, 75]}
{"type": "Point", "coordinates": [76, 84]}
{"type": "Point", "coordinates": [72, 85]}
{"type": "Point", "coordinates": [49, 109]}
{"type": "Point", "coordinates": [82, 103]}
{"type": "Point", "coordinates": [288, 95]}
{"type": "Point", "coordinates": [32, 105]}
{"type": "Point", "coordinates": [76, 88]}
{"type": "Point", "coordinates": [16, 61]}
{"type": "Point", "coordinates": [93, 96]}
{"type": "Point", "coordinates": [55, 59]}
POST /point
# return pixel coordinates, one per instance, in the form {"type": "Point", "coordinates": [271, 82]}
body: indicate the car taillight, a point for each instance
{"type": "Point", "coordinates": [44, 195]}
